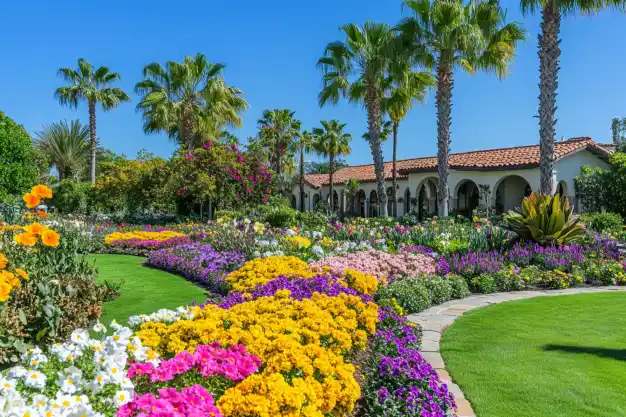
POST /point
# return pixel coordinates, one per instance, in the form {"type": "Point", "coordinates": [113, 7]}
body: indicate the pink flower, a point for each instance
{"type": "Point", "coordinates": [138, 368]}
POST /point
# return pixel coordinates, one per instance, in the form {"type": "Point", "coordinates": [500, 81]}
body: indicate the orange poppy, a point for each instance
{"type": "Point", "coordinates": [10, 278]}
{"type": "Point", "coordinates": [35, 228]}
{"type": "Point", "coordinates": [5, 290]}
{"type": "Point", "coordinates": [22, 274]}
{"type": "Point", "coordinates": [42, 214]}
{"type": "Point", "coordinates": [25, 239]}
{"type": "Point", "coordinates": [50, 238]}
{"type": "Point", "coordinates": [3, 261]}
{"type": "Point", "coordinates": [31, 200]}
{"type": "Point", "coordinates": [42, 191]}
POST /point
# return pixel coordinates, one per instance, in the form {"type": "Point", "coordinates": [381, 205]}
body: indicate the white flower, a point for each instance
{"type": "Point", "coordinates": [34, 379]}
{"type": "Point", "coordinates": [70, 379]}
{"type": "Point", "coordinates": [122, 397]}
{"type": "Point", "coordinates": [40, 402]}
{"type": "Point", "coordinates": [80, 337]}
{"type": "Point", "coordinates": [273, 243]}
{"type": "Point", "coordinates": [317, 249]}
{"type": "Point", "coordinates": [99, 328]}
{"type": "Point", "coordinates": [255, 254]}
{"type": "Point", "coordinates": [17, 372]}
{"type": "Point", "coordinates": [7, 384]}
{"type": "Point", "coordinates": [279, 253]}
{"type": "Point", "coordinates": [115, 372]}
{"type": "Point", "coordinates": [290, 232]}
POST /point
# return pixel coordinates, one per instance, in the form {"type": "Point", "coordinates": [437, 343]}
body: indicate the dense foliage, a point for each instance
{"type": "Point", "coordinates": [18, 171]}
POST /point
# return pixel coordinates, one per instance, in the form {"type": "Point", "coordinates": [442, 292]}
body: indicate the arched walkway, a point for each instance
{"type": "Point", "coordinates": [361, 198]}
{"type": "Point", "coordinates": [467, 197]}
{"type": "Point", "coordinates": [427, 198]}
{"type": "Point", "coordinates": [391, 206]}
{"type": "Point", "coordinates": [407, 201]}
{"type": "Point", "coordinates": [510, 191]}
{"type": "Point", "coordinates": [373, 204]}
{"type": "Point", "coordinates": [316, 200]}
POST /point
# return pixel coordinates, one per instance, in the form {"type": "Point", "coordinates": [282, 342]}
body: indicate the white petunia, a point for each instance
{"type": "Point", "coordinates": [122, 397]}
{"type": "Point", "coordinates": [34, 379]}
{"type": "Point", "coordinates": [80, 337]}
{"type": "Point", "coordinates": [99, 328]}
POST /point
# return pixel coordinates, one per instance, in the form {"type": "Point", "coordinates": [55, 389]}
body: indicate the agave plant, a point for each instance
{"type": "Point", "coordinates": [545, 219]}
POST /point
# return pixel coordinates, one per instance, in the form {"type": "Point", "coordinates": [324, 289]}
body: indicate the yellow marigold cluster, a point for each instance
{"type": "Point", "coordinates": [261, 270]}
{"type": "Point", "coordinates": [298, 242]}
{"type": "Point", "coordinates": [329, 243]}
{"type": "Point", "coordinates": [360, 281]}
{"type": "Point", "coordinates": [141, 235]}
{"type": "Point", "coordinates": [9, 280]}
{"type": "Point", "coordinates": [301, 344]}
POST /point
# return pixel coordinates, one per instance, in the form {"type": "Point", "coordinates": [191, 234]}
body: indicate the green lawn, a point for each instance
{"type": "Point", "coordinates": [559, 356]}
{"type": "Point", "coordinates": [146, 290]}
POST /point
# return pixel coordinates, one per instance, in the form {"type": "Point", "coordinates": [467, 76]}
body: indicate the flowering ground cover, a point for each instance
{"type": "Point", "coordinates": [547, 356]}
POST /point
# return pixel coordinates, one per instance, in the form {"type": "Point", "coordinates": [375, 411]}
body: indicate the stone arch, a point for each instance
{"type": "Point", "coordinates": [407, 200]}
{"type": "Point", "coordinates": [362, 199]}
{"type": "Point", "coordinates": [373, 204]}
{"type": "Point", "coordinates": [391, 206]}
{"type": "Point", "coordinates": [316, 199]}
{"type": "Point", "coordinates": [562, 189]}
{"type": "Point", "coordinates": [467, 197]}
{"type": "Point", "coordinates": [509, 192]}
{"type": "Point", "coordinates": [426, 197]}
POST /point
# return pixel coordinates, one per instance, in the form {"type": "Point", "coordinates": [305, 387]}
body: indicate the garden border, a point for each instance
{"type": "Point", "coordinates": [436, 319]}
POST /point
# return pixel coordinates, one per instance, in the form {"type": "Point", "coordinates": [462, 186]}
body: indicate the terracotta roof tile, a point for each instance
{"type": "Point", "coordinates": [514, 158]}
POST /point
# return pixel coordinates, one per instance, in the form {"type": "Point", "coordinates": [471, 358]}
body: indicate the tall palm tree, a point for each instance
{"type": "Point", "coordinates": [406, 86]}
{"type": "Point", "coordinates": [188, 100]}
{"type": "Point", "coordinates": [472, 37]}
{"type": "Point", "coordinates": [91, 85]}
{"type": "Point", "coordinates": [549, 58]}
{"type": "Point", "coordinates": [331, 141]}
{"type": "Point", "coordinates": [66, 147]}
{"type": "Point", "coordinates": [356, 69]}
{"type": "Point", "coordinates": [303, 144]}
{"type": "Point", "coordinates": [278, 131]}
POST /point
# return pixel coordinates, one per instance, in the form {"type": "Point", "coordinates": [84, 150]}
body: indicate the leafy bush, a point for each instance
{"type": "Point", "coordinates": [485, 284]}
{"type": "Point", "coordinates": [459, 287]}
{"type": "Point", "coordinates": [417, 293]}
{"type": "Point", "coordinates": [280, 216]}
{"type": "Point", "coordinates": [545, 219]}
{"type": "Point", "coordinates": [311, 221]}
{"type": "Point", "coordinates": [18, 169]}
{"type": "Point", "coordinates": [73, 197]}
{"type": "Point", "coordinates": [604, 222]}
{"type": "Point", "coordinates": [598, 272]}
{"type": "Point", "coordinates": [510, 279]}
{"type": "Point", "coordinates": [558, 280]}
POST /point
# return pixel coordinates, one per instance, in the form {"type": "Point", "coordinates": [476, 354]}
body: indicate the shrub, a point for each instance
{"type": "Point", "coordinates": [18, 170]}
{"type": "Point", "coordinates": [509, 279]}
{"type": "Point", "coordinates": [280, 216]}
{"type": "Point", "coordinates": [604, 222]}
{"type": "Point", "coordinates": [545, 219]}
{"type": "Point", "coordinates": [558, 280]}
{"type": "Point", "coordinates": [417, 293]}
{"type": "Point", "coordinates": [459, 287]}
{"type": "Point", "coordinates": [73, 197]}
{"type": "Point", "coordinates": [485, 284]}
{"type": "Point", "coordinates": [601, 272]}
{"type": "Point", "coordinates": [312, 221]}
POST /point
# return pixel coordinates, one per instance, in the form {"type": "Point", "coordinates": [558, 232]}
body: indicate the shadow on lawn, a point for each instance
{"type": "Point", "coordinates": [617, 354]}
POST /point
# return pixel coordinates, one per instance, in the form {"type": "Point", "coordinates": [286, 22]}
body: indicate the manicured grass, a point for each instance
{"type": "Point", "coordinates": [146, 290]}
{"type": "Point", "coordinates": [562, 356]}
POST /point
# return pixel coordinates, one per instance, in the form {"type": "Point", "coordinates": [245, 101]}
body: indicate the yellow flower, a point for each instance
{"type": "Point", "coordinates": [25, 239]}
{"type": "Point", "coordinates": [298, 242]}
{"type": "Point", "coordinates": [5, 290]}
{"type": "Point", "coordinates": [141, 235]}
{"type": "Point", "coordinates": [3, 261]}
{"type": "Point", "coordinates": [9, 277]}
{"type": "Point", "coordinates": [261, 270]}
{"type": "Point", "coordinates": [31, 200]}
{"type": "Point", "coordinates": [22, 274]}
{"type": "Point", "coordinates": [35, 228]}
{"type": "Point", "coordinates": [50, 238]}
{"type": "Point", "coordinates": [41, 191]}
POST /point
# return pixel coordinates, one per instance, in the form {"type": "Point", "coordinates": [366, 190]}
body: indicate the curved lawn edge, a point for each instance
{"type": "Point", "coordinates": [435, 320]}
{"type": "Point", "coordinates": [145, 290]}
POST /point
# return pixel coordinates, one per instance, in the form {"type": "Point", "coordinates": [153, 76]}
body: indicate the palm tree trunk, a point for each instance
{"type": "Point", "coordinates": [374, 121]}
{"type": "Point", "coordinates": [331, 167]}
{"type": "Point", "coordinates": [187, 128]}
{"type": "Point", "coordinates": [302, 179]}
{"type": "Point", "coordinates": [394, 174]}
{"type": "Point", "coordinates": [92, 142]}
{"type": "Point", "coordinates": [549, 55]}
{"type": "Point", "coordinates": [444, 120]}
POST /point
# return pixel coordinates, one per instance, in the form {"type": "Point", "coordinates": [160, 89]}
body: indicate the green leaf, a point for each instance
{"type": "Point", "coordinates": [22, 317]}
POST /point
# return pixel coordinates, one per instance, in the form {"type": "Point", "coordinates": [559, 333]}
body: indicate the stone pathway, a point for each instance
{"type": "Point", "coordinates": [435, 320]}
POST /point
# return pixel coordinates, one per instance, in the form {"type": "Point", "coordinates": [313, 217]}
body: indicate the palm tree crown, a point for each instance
{"type": "Point", "coordinates": [188, 100]}
{"type": "Point", "coordinates": [331, 141]}
{"type": "Point", "coordinates": [66, 146]}
{"type": "Point", "coordinates": [278, 130]}
{"type": "Point", "coordinates": [92, 86]}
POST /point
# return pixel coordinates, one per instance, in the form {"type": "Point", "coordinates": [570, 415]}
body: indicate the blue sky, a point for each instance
{"type": "Point", "coordinates": [271, 48]}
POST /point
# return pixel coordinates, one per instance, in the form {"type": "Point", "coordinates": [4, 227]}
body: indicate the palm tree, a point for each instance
{"type": "Point", "coordinates": [549, 57]}
{"type": "Point", "coordinates": [330, 141]}
{"type": "Point", "coordinates": [303, 144]}
{"type": "Point", "coordinates": [406, 87]}
{"type": "Point", "coordinates": [188, 100]}
{"type": "Point", "coordinates": [278, 131]}
{"type": "Point", "coordinates": [66, 147]}
{"type": "Point", "coordinates": [92, 86]}
{"type": "Point", "coordinates": [366, 55]}
{"type": "Point", "coordinates": [470, 36]}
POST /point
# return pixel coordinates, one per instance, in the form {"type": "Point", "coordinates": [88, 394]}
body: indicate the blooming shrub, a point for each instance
{"type": "Point", "coordinates": [260, 271]}
{"type": "Point", "coordinates": [382, 265]}
{"type": "Point", "coordinates": [557, 279]}
{"type": "Point", "coordinates": [189, 402]}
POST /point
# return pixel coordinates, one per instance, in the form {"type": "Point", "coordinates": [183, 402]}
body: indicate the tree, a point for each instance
{"type": "Point", "coordinates": [366, 55]}
{"type": "Point", "coordinates": [472, 37]}
{"type": "Point", "coordinates": [66, 146]}
{"type": "Point", "coordinates": [303, 144]}
{"type": "Point", "coordinates": [330, 141]}
{"type": "Point", "coordinates": [188, 100]}
{"type": "Point", "coordinates": [618, 130]}
{"type": "Point", "coordinates": [278, 130]}
{"type": "Point", "coordinates": [324, 167]}
{"type": "Point", "coordinates": [549, 61]}
{"type": "Point", "coordinates": [93, 87]}
{"type": "Point", "coordinates": [18, 171]}
{"type": "Point", "coordinates": [406, 86]}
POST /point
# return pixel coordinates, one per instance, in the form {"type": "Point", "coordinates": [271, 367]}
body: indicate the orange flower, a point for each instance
{"type": "Point", "coordinates": [42, 191]}
{"type": "Point", "coordinates": [35, 228]}
{"type": "Point", "coordinates": [10, 278]}
{"type": "Point", "coordinates": [42, 214]}
{"type": "Point", "coordinates": [50, 238]}
{"type": "Point", "coordinates": [5, 290]}
{"type": "Point", "coordinates": [3, 261]}
{"type": "Point", "coordinates": [25, 239]}
{"type": "Point", "coordinates": [31, 200]}
{"type": "Point", "coordinates": [22, 274]}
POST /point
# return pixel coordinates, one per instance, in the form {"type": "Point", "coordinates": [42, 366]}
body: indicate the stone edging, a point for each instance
{"type": "Point", "coordinates": [436, 319]}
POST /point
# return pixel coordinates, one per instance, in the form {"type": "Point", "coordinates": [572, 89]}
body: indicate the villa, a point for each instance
{"type": "Point", "coordinates": [509, 173]}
